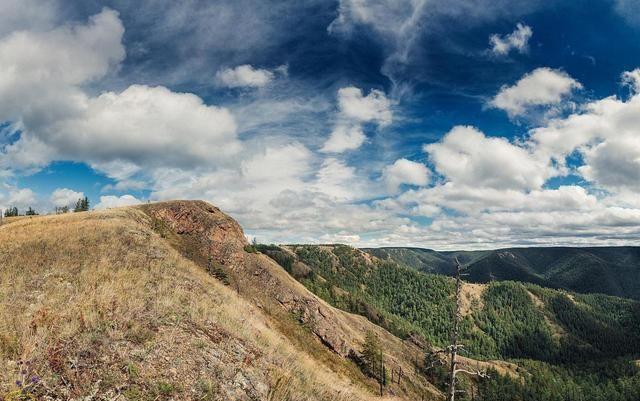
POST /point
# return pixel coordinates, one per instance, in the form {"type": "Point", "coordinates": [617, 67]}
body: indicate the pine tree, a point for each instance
{"type": "Point", "coordinates": [371, 353]}
{"type": "Point", "coordinates": [62, 210]}
{"type": "Point", "coordinates": [82, 205]}
{"type": "Point", "coordinates": [31, 212]}
{"type": "Point", "coordinates": [11, 212]}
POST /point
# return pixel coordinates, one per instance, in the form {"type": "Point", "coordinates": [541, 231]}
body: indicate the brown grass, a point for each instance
{"type": "Point", "coordinates": [472, 297]}
{"type": "Point", "coordinates": [102, 307]}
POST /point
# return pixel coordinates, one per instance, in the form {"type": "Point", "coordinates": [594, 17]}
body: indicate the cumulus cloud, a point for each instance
{"type": "Point", "coordinates": [65, 197]}
{"type": "Point", "coordinates": [466, 156]}
{"type": "Point", "coordinates": [613, 164]}
{"type": "Point", "coordinates": [147, 125]}
{"type": "Point", "coordinates": [404, 171]}
{"type": "Point", "coordinates": [141, 126]}
{"type": "Point", "coordinates": [375, 107]}
{"type": "Point", "coordinates": [21, 198]}
{"type": "Point", "coordinates": [517, 40]}
{"type": "Point", "coordinates": [40, 72]}
{"type": "Point", "coordinates": [541, 87]}
{"type": "Point", "coordinates": [355, 109]}
{"type": "Point", "coordinates": [244, 76]}
{"type": "Point", "coordinates": [605, 132]}
{"type": "Point", "coordinates": [110, 201]}
{"type": "Point", "coordinates": [136, 127]}
{"type": "Point", "coordinates": [343, 138]}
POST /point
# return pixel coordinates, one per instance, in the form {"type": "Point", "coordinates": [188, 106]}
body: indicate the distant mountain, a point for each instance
{"type": "Point", "coordinates": [606, 270]}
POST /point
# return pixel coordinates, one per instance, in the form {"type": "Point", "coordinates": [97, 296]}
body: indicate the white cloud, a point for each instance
{"type": "Point", "coordinates": [375, 107]}
{"type": "Point", "coordinates": [404, 171]}
{"type": "Point", "coordinates": [21, 198]}
{"type": "Point", "coordinates": [613, 164]}
{"type": "Point", "coordinates": [605, 132]}
{"type": "Point", "coordinates": [340, 181]}
{"type": "Point", "coordinates": [343, 138]}
{"type": "Point", "coordinates": [244, 76]}
{"type": "Point", "coordinates": [41, 79]}
{"type": "Point", "coordinates": [355, 109]}
{"type": "Point", "coordinates": [40, 71]}
{"type": "Point", "coordinates": [65, 197]}
{"type": "Point", "coordinates": [277, 164]}
{"type": "Point", "coordinates": [516, 40]}
{"type": "Point", "coordinates": [541, 87]}
{"type": "Point", "coordinates": [632, 79]}
{"type": "Point", "coordinates": [147, 126]}
{"type": "Point", "coordinates": [111, 201]}
{"type": "Point", "coordinates": [20, 15]}
{"type": "Point", "coordinates": [118, 133]}
{"type": "Point", "coordinates": [466, 156]}
{"type": "Point", "coordinates": [343, 237]}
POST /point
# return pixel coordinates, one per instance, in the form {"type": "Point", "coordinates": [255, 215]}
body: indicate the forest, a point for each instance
{"type": "Point", "coordinates": [567, 346]}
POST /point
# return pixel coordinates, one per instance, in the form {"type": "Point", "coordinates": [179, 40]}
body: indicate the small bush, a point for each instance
{"type": "Point", "coordinates": [250, 249]}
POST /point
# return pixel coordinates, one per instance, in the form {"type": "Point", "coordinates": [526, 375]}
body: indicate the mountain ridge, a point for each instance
{"type": "Point", "coordinates": [607, 270]}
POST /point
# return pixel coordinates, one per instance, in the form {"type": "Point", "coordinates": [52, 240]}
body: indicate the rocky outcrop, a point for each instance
{"type": "Point", "coordinates": [205, 232]}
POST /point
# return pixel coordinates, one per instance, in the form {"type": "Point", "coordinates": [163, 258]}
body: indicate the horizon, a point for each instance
{"type": "Point", "coordinates": [426, 124]}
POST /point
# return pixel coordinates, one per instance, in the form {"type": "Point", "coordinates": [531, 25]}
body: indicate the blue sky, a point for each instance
{"type": "Point", "coordinates": [441, 124]}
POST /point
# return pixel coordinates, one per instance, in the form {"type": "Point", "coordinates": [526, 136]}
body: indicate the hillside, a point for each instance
{"type": "Point", "coordinates": [588, 343]}
{"type": "Point", "coordinates": [166, 301]}
{"type": "Point", "coordinates": [606, 270]}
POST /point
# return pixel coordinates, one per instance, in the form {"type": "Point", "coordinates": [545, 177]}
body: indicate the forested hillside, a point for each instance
{"type": "Point", "coordinates": [605, 270]}
{"type": "Point", "coordinates": [587, 343]}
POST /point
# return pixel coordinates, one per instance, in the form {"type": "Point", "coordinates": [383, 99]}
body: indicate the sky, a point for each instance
{"type": "Point", "coordinates": [443, 124]}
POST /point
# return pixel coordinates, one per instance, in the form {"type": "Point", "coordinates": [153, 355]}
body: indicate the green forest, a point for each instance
{"type": "Point", "coordinates": [567, 346]}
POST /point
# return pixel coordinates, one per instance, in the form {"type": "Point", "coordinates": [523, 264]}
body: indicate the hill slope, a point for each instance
{"type": "Point", "coordinates": [588, 344]}
{"type": "Point", "coordinates": [607, 270]}
{"type": "Point", "coordinates": [132, 304]}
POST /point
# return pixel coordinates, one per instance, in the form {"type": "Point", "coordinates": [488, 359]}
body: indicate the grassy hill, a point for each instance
{"type": "Point", "coordinates": [585, 342]}
{"type": "Point", "coordinates": [167, 301]}
{"type": "Point", "coordinates": [606, 270]}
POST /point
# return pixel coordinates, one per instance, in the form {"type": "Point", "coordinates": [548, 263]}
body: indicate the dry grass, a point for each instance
{"type": "Point", "coordinates": [472, 297]}
{"type": "Point", "coordinates": [102, 307]}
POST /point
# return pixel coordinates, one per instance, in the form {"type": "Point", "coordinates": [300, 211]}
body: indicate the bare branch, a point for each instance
{"type": "Point", "coordinates": [473, 373]}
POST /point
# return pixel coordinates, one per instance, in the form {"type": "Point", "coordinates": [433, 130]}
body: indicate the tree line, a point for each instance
{"type": "Point", "coordinates": [82, 205]}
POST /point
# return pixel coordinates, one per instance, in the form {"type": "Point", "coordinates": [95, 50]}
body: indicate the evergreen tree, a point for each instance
{"type": "Point", "coordinates": [371, 354]}
{"type": "Point", "coordinates": [82, 205]}
{"type": "Point", "coordinates": [11, 212]}
{"type": "Point", "coordinates": [31, 212]}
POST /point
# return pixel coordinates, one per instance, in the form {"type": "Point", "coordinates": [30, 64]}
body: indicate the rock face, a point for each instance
{"type": "Point", "coordinates": [206, 231]}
